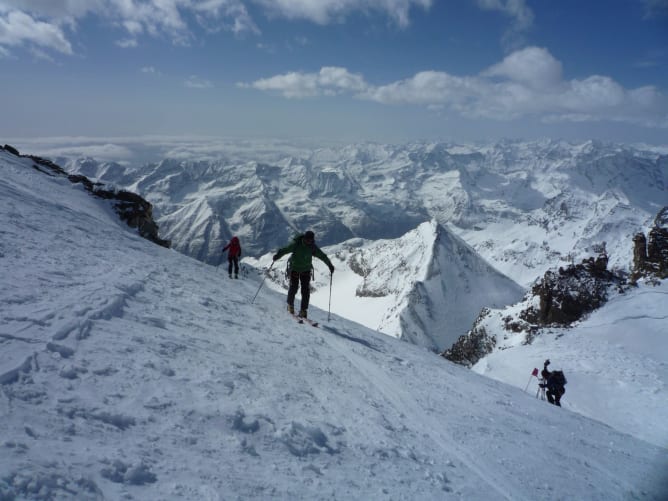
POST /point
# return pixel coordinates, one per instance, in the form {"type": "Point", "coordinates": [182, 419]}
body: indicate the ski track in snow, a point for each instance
{"type": "Point", "coordinates": [405, 405]}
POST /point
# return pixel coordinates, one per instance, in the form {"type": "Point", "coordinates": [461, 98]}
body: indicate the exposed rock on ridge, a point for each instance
{"type": "Point", "coordinates": [560, 298]}
{"type": "Point", "coordinates": [132, 208]}
{"type": "Point", "coordinates": [650, 254]}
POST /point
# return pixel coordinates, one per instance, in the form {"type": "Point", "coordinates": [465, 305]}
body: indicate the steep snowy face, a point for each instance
{"type": "Point", "coordinates": [426, 287]}
{"type": "Point", "coordinates": [459, 283]}
{"type": "Point", "coordinates": [522, 206]}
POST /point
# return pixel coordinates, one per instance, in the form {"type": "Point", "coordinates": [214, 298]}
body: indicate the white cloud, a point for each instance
{"type": "Point", "coordinates": [518, 11]}
{"type": "Point", "coordinates": [533, 66]}
{"type": "Point", "coordinates": [103, 152]}
{"type": "Point", "coordinates": [425, 88]}
{"type": "Point", "coordinates": [19, 29]}
{"type": "Point", "coordinates": [150, 70]}
{"type": "Point", "coordinates": [127, 43]}
{"type": "Point", "coordinates": [195, 82]}
{"type": "Point", "coordinates": [526, 83]}
{"type": "Point", "coordinates": [326, 11]}
{"type": "Point", "coordinates": [43, 22]}
{"type": "Point", "coordinates": [232, 13]}
{"type": "Point", "coordinates": [136, 17]}
{"type": "Point", "coordinates": [59, 9]}
{"type": "Point", "coordinates": [328, 81]}
{"type": "Point", "coordinates": [656, 7]}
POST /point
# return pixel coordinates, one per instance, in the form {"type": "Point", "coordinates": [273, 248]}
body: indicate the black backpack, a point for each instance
{"type": "Point", "coordinates": [558, 378]}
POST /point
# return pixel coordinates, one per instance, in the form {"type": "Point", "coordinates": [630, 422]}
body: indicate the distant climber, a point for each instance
{"type": "Point", "coordinates": [554, 382]}
{"type": "Point", "coordinates": [233, 254]}
{"type": "Point", "coordinates": [300, 268]}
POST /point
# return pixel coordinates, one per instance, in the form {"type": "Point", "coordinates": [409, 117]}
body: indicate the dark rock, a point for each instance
{"type": "Point", "coordinates": [473, 345]}
{"type": "Point", "coordinates": [650, 254]}
{"type": "Point", "coordinates": [565, 296]}
{"type": "Point", "coordinates": [11, 150]}
{"type": "Point", "coordinates": [569, 294]}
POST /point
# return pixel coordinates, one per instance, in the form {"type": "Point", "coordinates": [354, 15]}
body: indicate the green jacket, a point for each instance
{"type": "Point", "coordinates": [302, 255]}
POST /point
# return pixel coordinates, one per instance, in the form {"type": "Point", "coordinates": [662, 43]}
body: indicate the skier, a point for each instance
{"type": "Point", "coordinates": [554, 382]}
{"type": "Point", "coordinates": [233, 254]}
{"type": "Point", "coordinates": [300, 267]}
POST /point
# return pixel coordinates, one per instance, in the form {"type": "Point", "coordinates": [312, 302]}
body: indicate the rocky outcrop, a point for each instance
{"type": "Point", "coordinates": [473, 345]}
{"type": "Point", "coordinates": [560, 298]}
{"type": "Point", "coordinates": [570, 293]}
{"type": "Point", "coordinates": [132, 208]}
{"type": "Point", "coordinates": [650, 254]}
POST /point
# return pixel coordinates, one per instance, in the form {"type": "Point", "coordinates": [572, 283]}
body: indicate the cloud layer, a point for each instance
{"type": "Point", "coordinates": [528, 82]}
{"type": "Point", "coordinates": [46, 23]}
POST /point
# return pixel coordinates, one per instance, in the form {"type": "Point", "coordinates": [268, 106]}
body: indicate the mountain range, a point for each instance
{"type": "Point", "coordinates": [509, 208]}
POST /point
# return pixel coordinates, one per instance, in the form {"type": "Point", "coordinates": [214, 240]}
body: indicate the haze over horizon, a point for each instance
{"type": "Point", "coordinates": [379, 70]}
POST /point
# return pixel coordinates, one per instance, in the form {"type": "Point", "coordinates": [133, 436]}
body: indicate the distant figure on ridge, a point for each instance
{"type": "Point", "coordinates": [554, 382]}
{"type": "Point", "coordinates": [300, 268]}
{"type": "Point", "coordinates": [233, 254]}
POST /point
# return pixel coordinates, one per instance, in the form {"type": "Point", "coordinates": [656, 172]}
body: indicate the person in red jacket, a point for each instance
{"type": "Point", "coordinates": [233, 254]}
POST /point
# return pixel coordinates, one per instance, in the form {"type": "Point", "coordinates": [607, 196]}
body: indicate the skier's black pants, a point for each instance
{"type": "Point", "coordinates": [233, 261]}
{"type": "Point", "coordinates": [554, 395]}
{"type": "Point", "coordinates": [297, 278]}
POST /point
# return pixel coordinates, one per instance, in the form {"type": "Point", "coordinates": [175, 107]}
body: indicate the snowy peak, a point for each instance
{"type": "Point", "coordinates": [388, 266]}
{"type": "Point", "coordinates": [425, 287]}
{"type": "Point", "coordinates": [458, 283]}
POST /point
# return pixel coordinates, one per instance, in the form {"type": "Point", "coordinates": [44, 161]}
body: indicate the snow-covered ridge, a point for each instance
{"type": "Point", "coordinates": [128, 370]}
{"type": "Point", "coordinates": [129, 206]}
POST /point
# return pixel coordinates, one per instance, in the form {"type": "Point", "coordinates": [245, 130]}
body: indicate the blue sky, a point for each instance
{"type": "Point", "coordinates": [352, 70]}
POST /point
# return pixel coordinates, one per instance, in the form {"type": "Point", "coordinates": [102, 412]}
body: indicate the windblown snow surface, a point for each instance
{"type": "Point", "coordinates": [129, 371]}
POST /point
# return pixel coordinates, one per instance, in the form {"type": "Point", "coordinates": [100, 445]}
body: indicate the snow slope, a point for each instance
{"type": "Point", "coordinates": [131, 371]}
{"type": "Point", "coordinates": [615, 360]}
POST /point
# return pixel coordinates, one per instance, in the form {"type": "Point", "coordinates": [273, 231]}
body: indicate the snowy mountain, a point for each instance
{"type": "Point", "coordinates": [425, 287]}
{"type": "Point", "coordinates": [128, 370]}
{"type": "Point", "coordinates": [523, 206]}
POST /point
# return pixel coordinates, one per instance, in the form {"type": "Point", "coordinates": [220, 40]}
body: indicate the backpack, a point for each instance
{"type": "Point", "coordinates": [559, 378]}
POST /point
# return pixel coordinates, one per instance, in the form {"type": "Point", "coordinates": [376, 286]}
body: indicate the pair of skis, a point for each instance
{"type": "Point", "coordinates": [301, 320]}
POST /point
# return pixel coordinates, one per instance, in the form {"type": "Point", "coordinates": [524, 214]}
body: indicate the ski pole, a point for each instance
{"type": "Point", "coordinates": [528, 383]}
{"type": "Point", "coordinates": [262, 283]}
{"type": "Point", "coordinates": [533, 373]}
{"type": "Point", "coordinates": [329, 311]}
